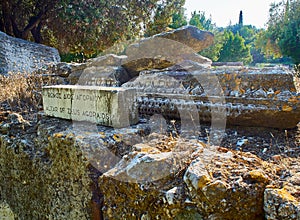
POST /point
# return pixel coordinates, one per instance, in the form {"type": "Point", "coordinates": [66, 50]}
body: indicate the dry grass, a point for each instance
{"type": "Point", "coordinates": [21, 92]}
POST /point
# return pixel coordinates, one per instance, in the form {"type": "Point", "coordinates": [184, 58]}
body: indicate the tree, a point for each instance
{"type": "Point", "coordinates": [265, 45]}
{"type": "Point", "coordinates": [241, 20]}
{"type": "Point", "coordinates": [282, 36]}
{"type": "Point", "coordinates": [290, 41]}
{"type": "Point", "coordinates": [199, 20]}
{"type": "Point", "coordinates": [178, 19]}
{"type": "Point", "coordinates": [213, 52]}
{"type": "Point", "coordinates": [163, 16]}
{"type": "Point", "coordinates": [81, 26]}
{"type": "Point", "coordinates": [234, 49]}
{"type": "Point", "coordinates": [249, 33]}
{"type": "Point", "coordinates": [236, 28]}
{"type": "Point", "coordinates": [24, 18]}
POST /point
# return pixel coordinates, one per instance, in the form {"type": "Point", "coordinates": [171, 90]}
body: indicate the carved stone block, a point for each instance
{"type": "Point", "coordinates": [107, 106]}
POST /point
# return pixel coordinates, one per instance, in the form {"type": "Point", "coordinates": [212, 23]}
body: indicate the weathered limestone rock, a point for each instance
{"type": "Point", "coordinates": [157, 52]}
{"type": "Point", "coordinates": [142, 184]}
{"type": "Point", "coordinates": [148, 164]}
{"type": "Point", "coordinates": [105, 71]}
{"type": "Point", "coordinates": [102, 105]}
{"type": "Point", "coordinates": [49, 170]}
{"type": "Point", "coordinates": [63, 73]}
{"type": "Point", "coordinates": [217, 180]}
{"type": "Point", "coordinates": [135, 66]}
{"type": "Point", "coordinates": [101, 71]}
{"type": "Point", "coordinates": [62, 69]}
{"type": "Point", "coordinates": [280, 204]}
{"type": "Point", "coordinates": [227, 64]}
{"type": "Point", "coordinates": [45, 178]}
{"type": "Point", "coordinates": [17, 55]}
{"type": "Point", "coordinates": [107, 60]}
{"type": "Point", "coordinates": [238, 190]}
{"type": "Point", "coordinates": [111, 76]}
{"type": "Point", "coordinates": [58, 169]}
{"type": "Point", "coordinates": [167, 49]}
{"type": "Point", "coordinates": [263, 97]}
{"type": "Point", "coordinates": [190, 36]}
{"type": "Point", "coordinates": [146, 167]}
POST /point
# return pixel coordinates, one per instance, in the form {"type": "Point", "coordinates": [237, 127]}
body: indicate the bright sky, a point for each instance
{"type": "Point", "coordinates": [255, 12]}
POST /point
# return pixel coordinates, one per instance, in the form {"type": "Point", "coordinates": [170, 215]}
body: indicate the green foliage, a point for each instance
{"type": "Point", "coordinates": [86, 27]}
{"type": "Point", "coordinates": [199, 20]}
{"type": "Point", "coordinates": [234, 49]}
{"type": "Point", "coordinates": [290, 41]}
{"type": "Point", "coordinates": [163, 15]}
{"type": "Point", "coordinates": [82, 29]}
{"type": "Point", "coordinates": [226, 47]}
{"type": "Point", "coordinates": [264, 44]}
{"type": "Point", "coordinates": [248, 32]}
{"type": "Point", "coordinates": [283, 34]}
{"type": "Point", "coordinates": [25, 18]}
{"type": "Point", "coordinates": [213, 52]}
{"type": "Point", "coordinates": [76, 57]}
{"type": "Point", "coordinates": [178, 19]}
{"type": "Point", "coordinates": [257, 56]}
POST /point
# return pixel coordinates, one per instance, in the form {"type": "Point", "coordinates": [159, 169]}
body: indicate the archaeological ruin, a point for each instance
{"type": "Point", "coordinates": [144, 135]}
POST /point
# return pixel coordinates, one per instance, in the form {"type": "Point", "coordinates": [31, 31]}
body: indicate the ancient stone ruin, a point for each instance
{"type": "Point", "coordinates": [17, 55]}
{"type": "Point", "coordinates": [132, 145]}
{"type": "Point", "coordinates": [172, 80]}
{"type": "Point", "coordinates": [109, 106]}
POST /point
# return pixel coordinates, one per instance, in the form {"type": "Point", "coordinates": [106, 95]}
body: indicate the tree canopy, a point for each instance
{"type": "Point", "coordinates": [200, 20]}
{"type": "Point", "coordinates": [83, 26]}
{"type": "Point", "coordinates": [178, 19]}
{"type": "Point", "coordinates": [282, 36]}
{"type": "Point", "coordinates": [92, 26]}
{"type": "Point", "coordinates": [230, 44]}
{"type": "Point", "coordinates": [234, 49]}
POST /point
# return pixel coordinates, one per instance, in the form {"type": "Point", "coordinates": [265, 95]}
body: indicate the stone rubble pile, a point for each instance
{"type": "Point", "coordinates": [171, 79]}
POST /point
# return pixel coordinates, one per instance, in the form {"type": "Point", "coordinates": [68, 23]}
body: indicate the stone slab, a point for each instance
{"type": "Point", "coordinates": [190, 36]}
{"type": "Point", "coordinates": [167, 49]}
{"type": "Point", "coordinates": [18, 55]}
{"type": "Point", "coordinates": [109, 106]}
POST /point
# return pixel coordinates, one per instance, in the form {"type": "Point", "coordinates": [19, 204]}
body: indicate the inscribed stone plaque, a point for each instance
{"type": "Point", "coordinates": [109, 106]}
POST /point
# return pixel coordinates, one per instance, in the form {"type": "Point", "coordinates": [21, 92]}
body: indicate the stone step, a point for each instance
{"type": "Point", "coordinates": [109, 106]}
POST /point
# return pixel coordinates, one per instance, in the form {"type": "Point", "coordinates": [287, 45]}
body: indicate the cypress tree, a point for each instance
{"type": "Point", "coordinates": [241, 22]}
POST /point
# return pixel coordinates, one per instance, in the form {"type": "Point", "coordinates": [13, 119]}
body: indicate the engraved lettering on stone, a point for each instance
{"type": "Point", "coordinates": [108, 106]}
